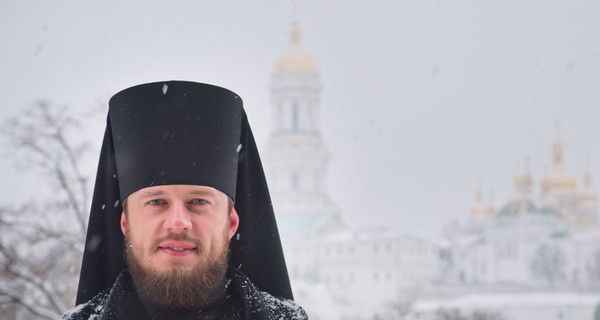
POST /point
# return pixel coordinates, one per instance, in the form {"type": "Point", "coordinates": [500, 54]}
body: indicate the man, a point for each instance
{"type": "Point", "coordinates": [181, 225]}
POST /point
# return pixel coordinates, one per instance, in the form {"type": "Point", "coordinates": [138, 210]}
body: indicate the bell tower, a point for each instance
{"type": "Point", "coordinates": [296, 159]}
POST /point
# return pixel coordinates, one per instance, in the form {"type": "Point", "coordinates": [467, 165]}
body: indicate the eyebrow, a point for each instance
{"type": "Point", "coordinates": [201, 193]}
{"type": "Point", "coordinates": [151, 194]}
{"type": "Point", "coordinates": [160, 192]}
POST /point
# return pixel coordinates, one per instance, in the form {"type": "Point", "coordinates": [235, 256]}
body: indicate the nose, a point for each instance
{"type": "Point", "coordinates": [178, 218]}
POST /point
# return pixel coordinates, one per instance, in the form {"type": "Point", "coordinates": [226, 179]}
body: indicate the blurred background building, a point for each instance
{"type": "Point", "coordinates": [337, 271]}
{"type": "Point", "coordinates": [544, 242]}
{"type": "Point", "coordinates": [531, 256]}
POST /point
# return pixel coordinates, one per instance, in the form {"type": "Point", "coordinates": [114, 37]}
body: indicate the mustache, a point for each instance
{"type": "Point", "coordinates": [171, 236]}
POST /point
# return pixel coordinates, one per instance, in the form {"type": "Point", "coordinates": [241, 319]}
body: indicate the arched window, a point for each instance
{"type": "Point", "coordinates": [295, 116]}
{"type": "Point", "coordinates": [295, 181]}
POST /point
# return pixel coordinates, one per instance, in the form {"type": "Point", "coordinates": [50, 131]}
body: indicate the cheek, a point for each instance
{"type": "Point", "coordinates": [212, 233]}
{"type": "Point", "coordinates": [221, 239]}
{"type": "Point", "coordinates": [142, 229]}
{"type": "Point", "coordinates": [139, 240]}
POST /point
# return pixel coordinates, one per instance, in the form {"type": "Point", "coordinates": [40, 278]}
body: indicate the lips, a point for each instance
{"type": "Point", "coordinates": [177, 248]}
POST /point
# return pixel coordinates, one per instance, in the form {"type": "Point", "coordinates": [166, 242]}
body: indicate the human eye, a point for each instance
{"type": "Point", "coordinates": [156, 202]}
{"type": "Point", "coordinates": [199, 201]}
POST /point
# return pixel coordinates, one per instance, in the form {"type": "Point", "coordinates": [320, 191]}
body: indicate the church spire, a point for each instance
{"type": "Point", "coordinates": [479, 209]}
{"type": "Point", "coordinates": [558, 189]}
{"type": "Point", "coordinates": [524, 183]}
{"type": "Point", "coordinates": [295, 34]}
{"type": "Point", "coordinates": [587, 197]}
{"type": "Point", "coordinates": [296, 58]}
{"type": "Point", "coordinates": [297, 157]}
{"type": "Point", "coordinates": [557, 150]}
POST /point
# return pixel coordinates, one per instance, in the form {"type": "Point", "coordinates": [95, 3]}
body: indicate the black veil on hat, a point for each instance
{"type": "Point", "coordinates": [180, 132]}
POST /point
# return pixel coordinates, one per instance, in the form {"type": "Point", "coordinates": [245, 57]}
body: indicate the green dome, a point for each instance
{"type": "Point", "coordinates": [517, 207]}
{"type": "Point", "coordinates": [549, 211]}
{"type": "Point", "coordinates": [525, 206]}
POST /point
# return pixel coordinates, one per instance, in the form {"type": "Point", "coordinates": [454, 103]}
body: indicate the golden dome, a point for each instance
{"type": "Point", "coordinates": [558, 182]}
{"type": "Point", "coordinates": [587, 197]}
{"type": "Point", "coordinates": [295, 59]}
{"type": "Point", "coordinates": [522, 184]}
{"type": "Point", "coordinates": [480, 210]}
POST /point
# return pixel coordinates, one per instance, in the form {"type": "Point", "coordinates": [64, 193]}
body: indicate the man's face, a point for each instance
{"type": "Point", "coordinates": [178, 226]}
{"type": "Point", "coordinates": [177, 232]}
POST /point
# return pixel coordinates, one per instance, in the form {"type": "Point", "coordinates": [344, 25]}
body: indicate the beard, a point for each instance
{"type": "Point", "coordinates": [176, 288]}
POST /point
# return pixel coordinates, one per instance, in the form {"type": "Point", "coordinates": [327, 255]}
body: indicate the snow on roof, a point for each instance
{"type": "Point", "coordinates": [593, 234]}
{"type": "Point", "coordinates": [444, 243]}
{"type": "Point", "coordinates": [468, 240]}
{"type": "Point", "coordinates": [301, 222]}
{"type": "Point", "coordinates": [373, 234]}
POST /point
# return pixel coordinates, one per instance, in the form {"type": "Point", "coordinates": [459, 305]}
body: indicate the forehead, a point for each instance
{"type": "Point", "coordinates": [177, 190]}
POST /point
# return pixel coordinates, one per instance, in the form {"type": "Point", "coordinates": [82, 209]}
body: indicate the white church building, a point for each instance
{"type": "Point", "coordinates": [550, 243]}
{"type": "Point", "coordinates": [530, 259]}
{"type": "Point", "coordinates": [338, 272]}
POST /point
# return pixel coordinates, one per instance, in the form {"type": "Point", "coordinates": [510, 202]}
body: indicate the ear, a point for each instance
{"type": "Point", "coordinates": [123, 222]}
{"type": "Point", "coordinates": [234, 222]}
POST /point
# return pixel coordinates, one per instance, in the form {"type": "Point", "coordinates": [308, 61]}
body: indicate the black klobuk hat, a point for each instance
{"type": "Point", "coordinates": [179, 132]}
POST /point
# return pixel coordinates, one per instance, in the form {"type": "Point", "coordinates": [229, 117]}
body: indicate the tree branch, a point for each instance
{"type": "Point", "coordinates": [39, 285]}
{"type": "Point", "coordinates": [42, 137]}
{"type": "Point", "coordinates": [34, 308]}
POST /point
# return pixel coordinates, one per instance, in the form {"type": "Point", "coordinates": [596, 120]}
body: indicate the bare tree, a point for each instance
{"type": "Point", "coordinates": [399, 308]}
{"type": "Point", "coordinates": [455, 314]}
{"type": "Point", "coordinates": [41, 240]}
{"type": "Point", "coordinates": [548, 264]}
{"type": "Point", "coordinates": [450, 314]}
{"type": "Point", "coordinates": [486, 315]}
{"type": "Point", "coordinates": [396, 310]}
{"type": "Point", "coordinates": [593, 270]}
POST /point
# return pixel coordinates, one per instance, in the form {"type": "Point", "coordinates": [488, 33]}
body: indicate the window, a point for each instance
{"type": "Point", "coordinates": [295, 116]}
{"type": "Point", "coordinates": [295, 180]}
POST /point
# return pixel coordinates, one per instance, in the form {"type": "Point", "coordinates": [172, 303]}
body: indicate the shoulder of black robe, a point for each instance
{"type": "Point", "coordinates": [255, 249]}
{"type": "Point", "coordinates": [259, 305]}
{"type": "Point", "coordinates": [239, 299]}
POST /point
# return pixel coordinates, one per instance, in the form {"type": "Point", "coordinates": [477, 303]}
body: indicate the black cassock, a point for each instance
{"type": "Point", "coordinates": [236, 298]}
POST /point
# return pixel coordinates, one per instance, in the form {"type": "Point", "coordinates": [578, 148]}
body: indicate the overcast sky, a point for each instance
{"type": "Point", "coordinates": [422, 101]}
